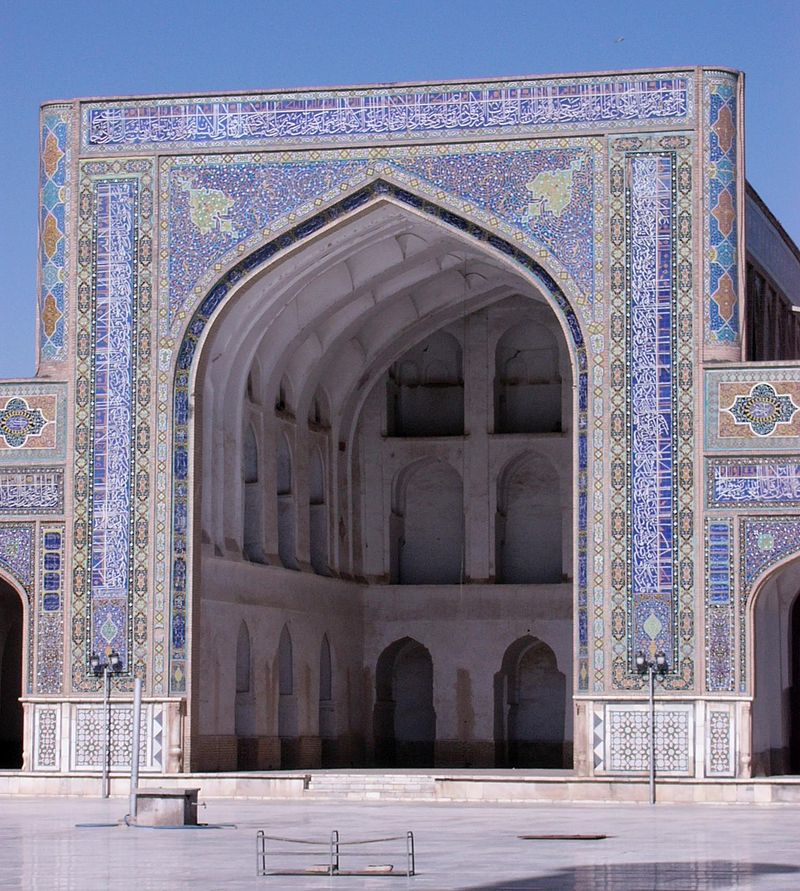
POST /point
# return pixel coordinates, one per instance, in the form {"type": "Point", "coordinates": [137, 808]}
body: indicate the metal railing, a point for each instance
{"type": "Point", "coordinates": [332, 849]}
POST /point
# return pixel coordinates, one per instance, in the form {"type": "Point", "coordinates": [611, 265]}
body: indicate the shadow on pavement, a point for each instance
{"type": "Point", "coordinates": [667, 876]}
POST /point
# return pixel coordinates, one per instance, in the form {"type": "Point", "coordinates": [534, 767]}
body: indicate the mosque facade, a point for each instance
{"type": "Point", "coordinates": [389, 426]}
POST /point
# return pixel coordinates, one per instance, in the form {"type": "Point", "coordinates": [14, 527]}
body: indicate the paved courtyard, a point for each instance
{"type": "Point", "coordinates": [476, 847]}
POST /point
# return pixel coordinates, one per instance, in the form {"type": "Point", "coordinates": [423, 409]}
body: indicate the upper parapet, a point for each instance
{"type": "Point", "coordinates": [398, 113]}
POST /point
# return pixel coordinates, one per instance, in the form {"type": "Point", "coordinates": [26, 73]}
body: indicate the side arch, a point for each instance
{"type": "Point", "coordinates": [772, 636]}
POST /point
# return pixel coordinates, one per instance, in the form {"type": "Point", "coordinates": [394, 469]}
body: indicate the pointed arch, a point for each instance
{"type": "Point", "coordinates": [529, 522]}
{"type": "Point", "coordinates": [509, 254]}
{"type": "Point", "coordinates": [428, 525]}
{"type": "Point", "coordinates": [317, 513]}
{"type": "Point", "coordinates": [404, 719]}
{"type": "Point", "coordinates": [327, 705]}
{"type": "Point", "coordinates": [253, 513]}
{"type": "Point", "coordinates": [530, 707]}
{"type": "Point", "coordinates": [285, 503]}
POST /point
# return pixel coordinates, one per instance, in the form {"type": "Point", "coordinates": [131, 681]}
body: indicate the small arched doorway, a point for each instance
{"type": "Point", "coordinates": [404, 719]}
{"type": "Point", "coordinates": [530, 707]}
{"type": "Point", "coordinates": [776, 673]}
{"type": "Point", "coordinates": [11, 624]}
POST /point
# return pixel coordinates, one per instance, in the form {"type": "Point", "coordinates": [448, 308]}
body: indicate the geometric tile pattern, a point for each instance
{"type": "Point", "coordinates": [212, 214]}
{"type": "Point", "coordinates": [54, 195]}
{"type": "Point", "coordinates": [652, 415]}
{"type": "Point", "coordinates": [88, 742]}
{"type": "Point", "coordinates": [17, 548]}
{"type": "Point", "coordinates": [18, 421]}
{"type": "Point", "coordinates": [186, 355]}
{"type": "Point", "coordinates": [762, 409]}
{"type": "Point", "coordinates": [720, 744]}
{"type": "Point", "coordinates": [32, 422]}
{"type": "Point", "coordinates": [722, 313]}
{"type": "Point", "coordinates": [50, 610]}
{"type": "Point", "coordinates": [628, 739]}
{"type": "Point", "coordinates": [112, 426]}
{"type": "Point", "coordinates": [32, 490]}
{"type": "Point", "coordinates": [720, 608]}
{"type": "Point", "coordinates": [752, 409]}
{"type": "Point", "coordinates": [47, 737]}
{"type": "Point", "coordinates": [404, 113]}
{"type": "Point", "coordinates": [753, 483]}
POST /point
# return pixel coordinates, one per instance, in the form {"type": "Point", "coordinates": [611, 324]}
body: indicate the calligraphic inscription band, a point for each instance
{"type": "Point", "coordinates": [359, 115]}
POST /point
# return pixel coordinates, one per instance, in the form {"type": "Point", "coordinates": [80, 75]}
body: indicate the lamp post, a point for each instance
{"type": "Point", "coordinates": [112, 665]}
{"type": "Point", "coordinates": [652, 667]}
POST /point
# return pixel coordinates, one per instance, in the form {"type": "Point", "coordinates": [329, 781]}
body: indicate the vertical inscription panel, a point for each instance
{"type": "Point", "coordinates": [651, 423]}
{"type": "Point", "coordinates": [112, 419]}
{"type": "Point", "coordinates": [112, 394]}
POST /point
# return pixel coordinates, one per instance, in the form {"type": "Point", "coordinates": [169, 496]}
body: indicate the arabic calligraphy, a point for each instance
{"type": "Point", "coordinates": [299, 118]}
{"type": "Point", "coordinates": [32, 492]}
{"type": "Point", "coordinates": [755, 484]}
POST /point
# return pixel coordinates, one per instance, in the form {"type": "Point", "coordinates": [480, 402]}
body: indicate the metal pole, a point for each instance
{"type": "Point", "coordinates": [135, 744]}
{"type": "Point", "coordinates": [106, 729]}
{"type": "Point", "coordinates": [652, 673]}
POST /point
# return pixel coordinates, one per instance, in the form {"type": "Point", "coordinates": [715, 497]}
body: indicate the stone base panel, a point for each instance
{"type": "Point", "coordinates": [70, 737]}
{"type": "Point", "coordinates": [692, 739]}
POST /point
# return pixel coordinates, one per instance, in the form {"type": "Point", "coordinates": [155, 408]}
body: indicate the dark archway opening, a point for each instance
{"type": "Point", "coordinates": [794, 690]}
{"type": "Point", "coordinates": [10, 678]}
{"type": "Point", "coordinates": [530, 707]}
{"type": "Point", "coordinates": [404, 720]}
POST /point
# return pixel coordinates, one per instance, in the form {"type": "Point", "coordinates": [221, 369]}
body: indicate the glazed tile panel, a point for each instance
{"type": "Point", "coordinates": [112, 427]}
{"type": "Point", "coordinates": [752, 409]}
{"type": "Point", "coordinates": [753, 483]}
{"type": "Point", "coordinates": [50, 610]}
{"type": "Point", "coordinates": [652, 549]}
{"type": "Point", "coordinates": [32, 422]}
{"type": "Point", "coordinates": [53, 227]}
{"type": "Point", "coordinates": [32, 490]}
{"type": "Point", "coordinates": [722, 323]}
{"type": "Point", "coordinates": [356, 115]}
{"type": "Point", "coordinates": [547, 194]}
{"type": "Point", "coordinates": [113, 415]}
{"type": "Point", "coordinates": [720, 606]}
{"type": "Point", "coordinates": [651, 424]}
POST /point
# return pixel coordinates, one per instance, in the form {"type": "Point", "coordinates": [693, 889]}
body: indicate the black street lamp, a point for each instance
{"type": "Point", "coordinates": [652, 667]}
{"type": "Point", "coordinates": [104, 669]}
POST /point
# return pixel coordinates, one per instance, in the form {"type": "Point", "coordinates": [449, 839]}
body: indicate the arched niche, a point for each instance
{"type": "Point", "coordinates": [425, 389]}
{"type": "Point", "coordinates": [286, 504]}
{"type": "Point", "coordinates": [429, 525]}
{"type": "Point", "coordinates": [246, 755]}
{"type": "Point", "coordinates": [287, 701]}
{"type": "Point", "coordinates": [317, 513]}
{"type": "Point", "coordinates": [530, 707]}
{"type": "Point", "coordinates": [327, 705]}
{"type": "Point", "coordinates": [527, 381]}
{"type": "Point", "coordinates": [253, 525]}
{"type": "Point", "coordinates": [404, 720]}
{"type": "Point", "coordinates": [529, 522]}
{"type": "Point", "coordinates": [776, 672]}
{"type": "Point", "coordinates": [11, 675]}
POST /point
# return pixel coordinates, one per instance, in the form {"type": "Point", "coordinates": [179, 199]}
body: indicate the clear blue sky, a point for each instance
{"type": "Point", "coordinates": [60, 50]}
